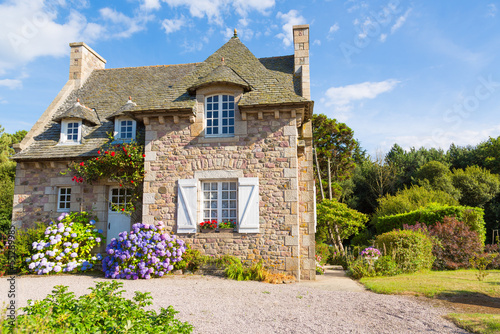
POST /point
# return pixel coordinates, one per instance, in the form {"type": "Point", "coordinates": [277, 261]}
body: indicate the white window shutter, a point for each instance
{"type": "Point", "coordinates": [248, 205]}
{"type": "Point", "coordinates": [187, 203]}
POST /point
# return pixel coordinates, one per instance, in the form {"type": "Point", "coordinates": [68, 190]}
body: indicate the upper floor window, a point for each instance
{"type": "Point", "coordinates": [71, 131]}
{"type": "Point", "coordinates": [125, 129]}
{"type": "Point", "coordinates": [219, 115]}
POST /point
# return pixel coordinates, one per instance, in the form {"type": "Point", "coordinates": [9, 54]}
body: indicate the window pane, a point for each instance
{"type": "Point", "coordinates": [232, 185]}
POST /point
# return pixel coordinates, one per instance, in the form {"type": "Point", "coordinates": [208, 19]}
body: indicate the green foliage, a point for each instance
{"type": "Point", "coordinates": [237, 271]}
{"type": "Point", "coordinates": [104, 310]}
{"type": "Point", "coordinates": [434, 175]}
{"type": "Point", "coordinates": [386, 266]}
{"type": "Point", "coordinates": [24, 240]}
{"type": "Point", "coordinates": [432, 213]}
{"type": "Point", "coordinates": [360, 268]}
{"type": "Point", "coordinates": [334, 141]}
{"type": "Point", "coordinates": [481, 262]}
{"type": "Point", "coordinates": [6, 199]}
{"type": "Point", "coordinates": [477, 185]}
{"type": "Point", "coordinates": [337, 222]}
{"type": "Point", "coordinates": [411, 250]}
{"type": "Point", "coordinates": [192, 260]}
{"type": "Point", "coordinates": [410, 199]}
{"type": "Point", "coordinates": [325, 251]}
{"type": "Point", "coordinates": [362, 239]}
{"type": "Point", "coordinates": [122, 163]}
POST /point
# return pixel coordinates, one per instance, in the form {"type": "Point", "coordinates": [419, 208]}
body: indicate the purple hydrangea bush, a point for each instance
{"type": "Point", "coordinates": [147, 251]}
{"type": "Point", "coordinates": [67, 246]}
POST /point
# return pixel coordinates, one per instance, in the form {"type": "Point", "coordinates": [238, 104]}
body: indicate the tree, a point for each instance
{"type": "Point", "coordinates": [436, 176]}
{"type": "Point", "coordinates": [477, 185]}
{"type": "Point", "coordinates": [337, 222]}
{"type": "Point", "coordinates": [334, 148]}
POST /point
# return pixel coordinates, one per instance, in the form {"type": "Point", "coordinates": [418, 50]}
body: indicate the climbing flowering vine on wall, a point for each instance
{"type": "Point", "coordinates": [119, 162]}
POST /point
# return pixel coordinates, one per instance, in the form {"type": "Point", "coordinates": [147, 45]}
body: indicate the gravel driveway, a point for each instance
{"type": "Point", "coordinates": [218, 305]}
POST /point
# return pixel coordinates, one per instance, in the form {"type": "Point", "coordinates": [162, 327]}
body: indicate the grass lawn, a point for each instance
{"type": "Point", "coordinates": [459, 287]}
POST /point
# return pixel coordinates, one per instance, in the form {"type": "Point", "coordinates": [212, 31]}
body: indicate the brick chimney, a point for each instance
{"type": "Point", "coordinates": [83, 60]}
{"type": "Point", "coordinates": [301, 57]}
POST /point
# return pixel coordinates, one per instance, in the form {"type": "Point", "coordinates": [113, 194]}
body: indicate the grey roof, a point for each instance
{"type": "Point", "coordinates": [221, 74]}
{"type": "Point", "coordinates": [166, 88]}
{"type": "Point", "coordinates": [79, 111]}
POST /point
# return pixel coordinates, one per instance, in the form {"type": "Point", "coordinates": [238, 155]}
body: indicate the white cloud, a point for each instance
{"type": "Point", "coordinates": [173, 25]}
{"type": "Point", "coordinates": [11, 83]}
{"type": "Point", "coordinates": [151, 5]}
{"type": "Point", "coordinates": [317, 42]}
{"type": "Point", "coordinates": [289, 20]}
{"type": "Point", "coordinates": [214, 9]}
{"type": "Point", "coordinates": [333, 29]}
{"type": "Point", "coordinates": [400, 21]}
{"type": "Point", "coordinates": [123, 26]}
{"type": "Point", "coordinates": [383, 37]}
{"type": "Point", "coordinates": [341, 98]}
{"type": "Point", "coordinates": [492, 10]}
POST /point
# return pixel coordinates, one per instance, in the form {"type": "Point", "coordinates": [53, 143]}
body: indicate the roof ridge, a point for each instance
{"type": "Point", "coordinates": [147, 66]}
{"type": "Point", "coordinates": [275, 57]}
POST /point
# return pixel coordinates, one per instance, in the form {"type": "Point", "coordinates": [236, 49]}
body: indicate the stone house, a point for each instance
{"type": "Point", "coordinates": [226, 138]}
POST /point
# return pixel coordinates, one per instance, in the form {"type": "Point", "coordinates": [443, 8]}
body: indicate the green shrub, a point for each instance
{"type": "Point", "coordinates": [325, 252]}
{"type": "Point", "coordinates": [411, 250]}
{"type": "Point", "coordinates": [433, 213]}
{"type": "Point", "coordinates": [24, 245]}
{"type": "Point", "coordinates": [192, 260]}
{"type": "Point", "coordinates": [362, 239]}
{"type": "Point", "coordinates": [102, 311]}
{"type": "Point", "coordinates": [360, 268]}
{"type": "Point", "coordinates": [240, 272]}
{"type": "Point", "coordinates": [410, 199]}
{"type": "Point", "coordinates": [386, 266]}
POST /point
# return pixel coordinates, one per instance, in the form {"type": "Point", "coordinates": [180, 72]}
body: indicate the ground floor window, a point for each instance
{"type": "Point", "coordinates": [64, 200]}
{"type": "Point", "coordinates": [220, 201]}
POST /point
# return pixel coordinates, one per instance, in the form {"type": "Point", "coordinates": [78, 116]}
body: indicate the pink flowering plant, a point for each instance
{"type": "Point", "coordinates": [370, 253]}
{"type": "Point", "coordinates": [209, 224]}
{"type": "Point", "coordinates": [147, 251]}
{"type": "Point", "coordinates": [320, 267]}
{"type": "Point", "coordinates": [67, 246]}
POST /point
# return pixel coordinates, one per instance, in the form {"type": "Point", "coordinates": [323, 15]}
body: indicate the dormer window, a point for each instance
{"type": "Point", "coordinates": [125, 129]}
{"type": "Point", "coordinates": [71, 131]}
{"type": "Point", "coordinates": [219, 116]}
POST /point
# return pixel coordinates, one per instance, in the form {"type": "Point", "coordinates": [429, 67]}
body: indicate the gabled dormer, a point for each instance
{"type": "Point", "coordinates": [72, 121]}
{"type": "Point", "coordinates": [125, 127]}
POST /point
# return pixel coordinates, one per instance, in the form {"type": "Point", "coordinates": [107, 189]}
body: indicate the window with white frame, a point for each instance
{"type": "Point", "coordinates": [234, 198]}
{"type": "Point", "coordinates": [120, 197]}
{"type": "Point", "coordinates": [64, 200]}
{"type": "Point", "coordinates": [220, 201]}
{"type": "Point", "coordinates": [219, 115]}
{"type": "Point", "coordinates": [71, 131]}
{"type": "Point", "coordinates": [125, 129]}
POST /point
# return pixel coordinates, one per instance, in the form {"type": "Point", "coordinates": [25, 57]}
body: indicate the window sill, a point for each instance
{"type": "Point", "coordinates": [218, 139]}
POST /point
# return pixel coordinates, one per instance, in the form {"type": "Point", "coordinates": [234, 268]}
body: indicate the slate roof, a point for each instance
{"type": "Point", "coordinates": [79, 111]}
{"type": "Point", "coordinates": [166, 88]}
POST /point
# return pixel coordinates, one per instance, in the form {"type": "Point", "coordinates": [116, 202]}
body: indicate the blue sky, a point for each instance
{"type": "Point", "coordinates": [422, 73]}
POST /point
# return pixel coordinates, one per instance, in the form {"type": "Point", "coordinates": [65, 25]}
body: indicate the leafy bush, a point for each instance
{"type": "Point", "coordinates": [240, 272]}
{"type": "Point", "coordinates": [325, 252]}
{"type": "Point", "coordinates": [433, 213]}
{"type": "Point", "coordinates": [104, 310]}
{"type": "Point", "coordinates": [457, 244]}
{"type": "Point", "coordinates": [67, 245]}
{"type": "Point", "coordinates": [24, 245]}
{"type": "Point", "coordinates": [145, 252]}
{"type": "Point", "coordinates": [410, 199]}
{"type": "Point", "coordinates": [363, 238]}
{"type": "Point", "coordinates": [495, 251]}
{"type": "Point", "coordinates": [192, 260]}
{"type": "Point", "coordinates": [360, 268]}
{"type": "Point", "coordinates": [412, 251]}
{"type": "Point", "coordinates": [386, 266]}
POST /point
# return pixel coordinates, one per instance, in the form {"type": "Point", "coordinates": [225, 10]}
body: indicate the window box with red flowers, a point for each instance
{"type": "Point", "coordinates": [208, 226]}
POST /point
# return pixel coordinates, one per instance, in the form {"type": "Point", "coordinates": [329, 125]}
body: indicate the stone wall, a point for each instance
{"type": "Point", "coordinates": [269, 152]}
{"type": "Point", "coordinates": [36, 190]}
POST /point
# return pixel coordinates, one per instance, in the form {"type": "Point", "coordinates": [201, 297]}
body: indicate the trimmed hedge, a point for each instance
{"type": "Point", "coordinates": [432, 213]}
{"type": "Point", "coordinates": [411, 250]}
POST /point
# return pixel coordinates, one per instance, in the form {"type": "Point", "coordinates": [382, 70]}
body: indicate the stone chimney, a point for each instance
{"type": "Point", "coordinates": [83, 60]}
{"type": "Point", "coordinates": [301, 57]}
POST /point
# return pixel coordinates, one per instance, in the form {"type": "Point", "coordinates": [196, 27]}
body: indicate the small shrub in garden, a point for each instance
{"type": "Point", "coordinates": [67, 246]}
{"type": "Point", "coordinates": [495, 251]}
{"type": "Point", "coordinates": [24, 245]}
{"type": "Point", "coordinates": [104, 310]}
{"type": "Point", "coordinates": [320, 265]}
{"type": "Point", "coordinates": [370, 253]}
{"type": "Point", "coordinates": [324, 251]}
{"type": "Point", "coordinates": [481, 262]}
{"type": "Point", "coordinates": [411, 250]}
{"type": "Point", "coordinates": [147, 251]}
{"type": "Point", "coordinates": [386, 266]}
{"type": "Point", "coordinates": [457, 244]}
{"type": "Point", "coordinates": [360, 268]}
{"type": "Point", "coordinates": [192, 260]}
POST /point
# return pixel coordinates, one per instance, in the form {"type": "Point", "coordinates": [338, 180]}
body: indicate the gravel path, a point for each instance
{"type": "Point", "coordinates": [218, 305]}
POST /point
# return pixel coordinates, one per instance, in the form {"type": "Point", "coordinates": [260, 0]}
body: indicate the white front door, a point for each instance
{"type": "Point", "coordinates": [117, 221]}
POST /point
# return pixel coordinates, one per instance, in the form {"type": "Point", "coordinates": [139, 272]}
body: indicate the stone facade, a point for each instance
{"type": "Point", "coordinates": [272, 143]}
